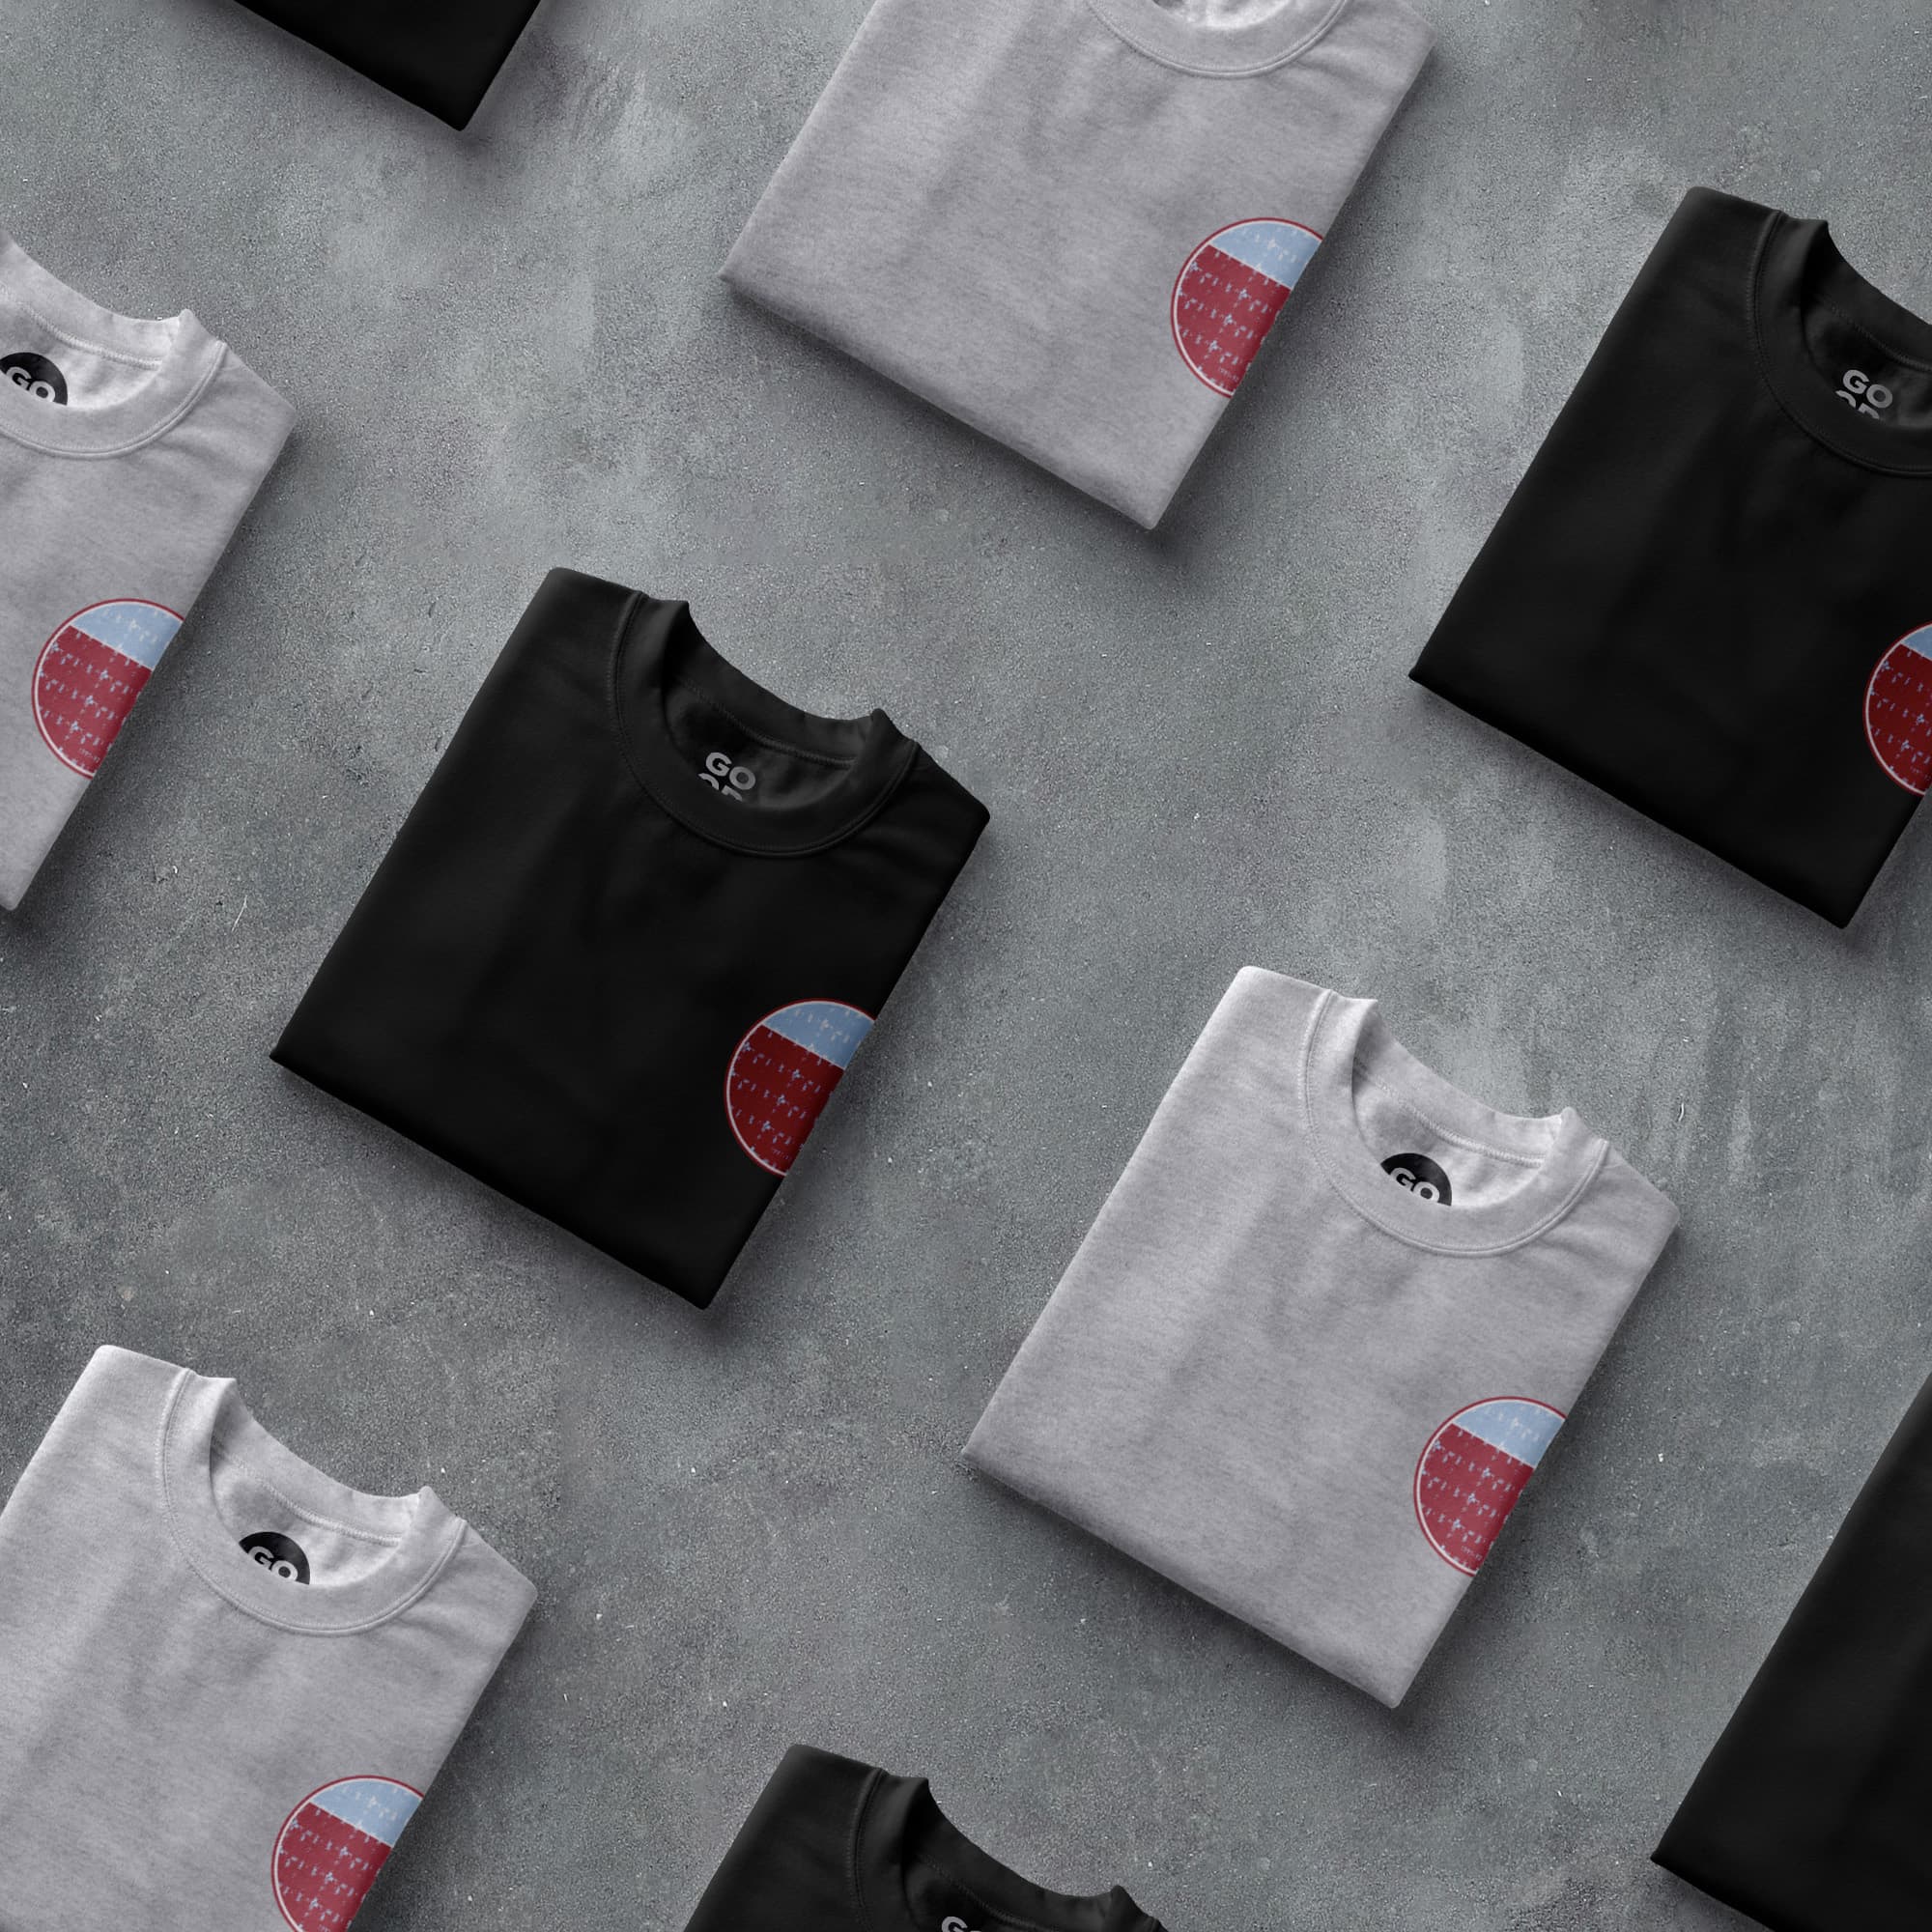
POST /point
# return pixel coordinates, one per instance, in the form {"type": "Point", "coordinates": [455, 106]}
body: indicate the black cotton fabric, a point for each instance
{"type": "Point", "coordinates": [1709, 594]}
{"type": "Point", "coordinates": [439, 54]}
{"type": "Point", "coordinates": [630, 937]}
{"type": "Point", "coordinates": [837, 1846]}
{"type": "Point", "coordinates": [1810, 1815]}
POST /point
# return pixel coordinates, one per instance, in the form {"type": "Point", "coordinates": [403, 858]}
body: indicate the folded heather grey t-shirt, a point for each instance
{"type": "Point", "coordinates": [1072, 223]}
{"type": "Point", "coordinates": [1324, 1330]}
{"type": "Point", "coordinates": [129, 451]}
{"type": "Point", "coordinates": [226, 1681]}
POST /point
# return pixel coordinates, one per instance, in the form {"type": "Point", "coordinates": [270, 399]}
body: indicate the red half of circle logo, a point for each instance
{"type": "Point", "coordinates": [333, 1845]}
{"type": "Point", "coordinates": [784, 1073]}
{"type": "Point", "coordinates": [1228, 295]}
{"type": "Point", "coordinates": [1475, 1466]}
{"type": "Point", "coordinates": [90, 672]}
{"type": "Point", "coordinates": [1899, 710]}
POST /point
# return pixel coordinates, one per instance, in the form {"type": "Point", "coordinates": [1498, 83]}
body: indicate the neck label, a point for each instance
{"type": "Point", "coordinates": [35, 373]}
{"type": "Point", "coordinates": [1868, 398]}
{"type": "Point", "coordinates": [1423, 1178]}
{"type": "Point", "coordinates": [280, 1554]}
{"type": "Point", "coordinates": [728, 781]}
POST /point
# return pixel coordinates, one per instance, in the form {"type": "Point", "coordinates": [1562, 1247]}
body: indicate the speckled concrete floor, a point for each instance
{"type": "Point", "coordinates": [508, 350]}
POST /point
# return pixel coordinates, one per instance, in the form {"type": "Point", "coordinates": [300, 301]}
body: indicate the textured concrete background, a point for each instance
{"type": "Point", "coordinates": [508, 350]}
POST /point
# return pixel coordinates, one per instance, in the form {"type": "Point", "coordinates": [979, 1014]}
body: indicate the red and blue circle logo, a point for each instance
{"type": "Point", "coordinates": [90, 672]}
{"type": "Point", "coordinates": [331, 1846]}
{"type": "Point", "coordinates": [784, 1073]}
{"type": "Point", "coordinates": [1475, 1466]}
{"type": "Point", "coordinates": [1228, 295]}
{"type": "Point", "coordinates": [1899, 710]}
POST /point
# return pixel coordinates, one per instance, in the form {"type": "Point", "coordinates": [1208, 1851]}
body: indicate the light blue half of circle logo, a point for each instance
{"type": "Point", "coordinates": [823, 1027]}
{"type": "Point", "coordinates": [1920, 641]}
{"type": "Point", "coordinates": [1276, 250]}
{"type": "Point", "coordinates": [375, 1806]}
{"type": "Point", "coordinates": [1523, 1430]}
{"type": "Point", "coordinates": [137, 630]}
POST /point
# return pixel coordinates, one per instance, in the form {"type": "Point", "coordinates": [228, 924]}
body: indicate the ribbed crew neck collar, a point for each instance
{"type": "Point", "coordinates": [180, 355]}
{"type": "Point", "coordinates": [1797, 268]}
{"type": "Point", "coordinates": [658, 647]}
{"type": "Point", "coordinates": [205, 1418]}
{"type": "Point", "coordinates": [900, 1821]}
{"type": "Point", "coordinates": [1347, 1043]}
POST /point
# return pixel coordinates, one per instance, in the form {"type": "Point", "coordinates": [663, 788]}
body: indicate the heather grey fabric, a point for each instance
{"type": "Point", "coordinates": [129, 451]}
{"type": "Point", "coordinates": [1323, 1329]}
{"type": "Point", "coordinates": [1071, 222]}
{"type": "Point", "coordinates": [195, 1734]}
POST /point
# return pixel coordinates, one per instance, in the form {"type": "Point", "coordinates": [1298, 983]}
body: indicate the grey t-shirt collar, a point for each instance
{"type": "Point", "coordinates": [181, 355]}
{"type": "Point", "coordinates": [1348, 1040]}
{"type": "Point", "coordinates": [205, 1416]}
{"type": "Point", "coordinates": [1178, 38]}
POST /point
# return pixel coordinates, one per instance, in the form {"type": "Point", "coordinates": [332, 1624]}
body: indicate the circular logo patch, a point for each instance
{"type": "Point", "coordinates": [784, 1073]}
{"type": "Point", "coordinates": [1228, 295]}
{"type": "Point", "coordinates": [1422, 1176]}
{"type": "Point", "coordinates": [333, 1845]}
{"type": "Point", "coordinates": [280, 1555]}
{"type": "Point", "coordinates": [1899, 710]}
{"type": "Point", "coordinates": [36, 374]}
{"type": "Point", "coordinates": [1467, 1480]}
{"type": "Point", "coordinates": [91, 671]}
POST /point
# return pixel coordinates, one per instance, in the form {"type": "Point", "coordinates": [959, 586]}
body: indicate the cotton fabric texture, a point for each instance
{"type": "Point", "coordinates": [1708, 593]}
{"type": "Point", "coordinates": [440, 55]}
{"type": "Point", "coordinates": [1809, 1813]}
{"type": "Point", "coordinates": [1072, 223]}
{"type": "Point", "coordinates": [199, 1734]}
{"type": "Point", "coordinates": [129, 451]}
{"type": "Point", "coordinates": [838, 1846]}
{"type": "Point", "coordinates": [631, 935]}
{"type": "Point", "coordinates": [1324, 1330]}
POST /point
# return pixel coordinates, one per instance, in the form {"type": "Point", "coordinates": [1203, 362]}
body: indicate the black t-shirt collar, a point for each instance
{"type": "Point", "coordinates": [1798, 265]}
{"type": "Point", "coordinates": [659, 644]}
{"type": "Point", "coordinates": [899, 1819]}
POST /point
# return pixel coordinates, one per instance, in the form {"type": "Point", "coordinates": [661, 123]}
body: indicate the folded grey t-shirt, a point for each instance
{"type": "Point", "coordinates": [226, 1681]}
{"type": "Point", "coordinates": [1324, 1328]}
{"type": "Point", "coordinates": [129, 451]}
{"type": "Point", "coordinates": [1072, 223]}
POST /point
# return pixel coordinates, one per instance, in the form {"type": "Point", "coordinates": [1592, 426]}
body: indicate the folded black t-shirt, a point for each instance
{"type": "Point", "coordinates": [441, 54]}
{"type": "Point", "coordinates": [1813, 1812]}
{"type": "Point", "coordinates": [631, 935]}
{"type": "Point", "coordinates": [1709, 593]}
{"type": "Point", "coordinates": [837, 1846]}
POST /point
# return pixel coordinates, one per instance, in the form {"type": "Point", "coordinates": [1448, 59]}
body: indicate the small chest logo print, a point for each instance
{"type": "Point", "coordinates": [1899, 710]}
{"type": "Point", "coordinates": [1229, 292]}
{"type": "Point", "coordinates": [784, 1073]}
{"type": "Point", "coordinates": [90, 672]}
{"type": "Point", "coordinates": [1475, 1466]}
{"type": "Point", "coordinates": [331, 1846]}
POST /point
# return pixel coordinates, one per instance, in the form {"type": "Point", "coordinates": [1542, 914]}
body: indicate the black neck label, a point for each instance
{"type": "Point", "coordinates": [282, 1555]}
{"type": "Point", "coordinates": [1421, 1176]}
{"type": "Point", "coordinates": [35, 373]}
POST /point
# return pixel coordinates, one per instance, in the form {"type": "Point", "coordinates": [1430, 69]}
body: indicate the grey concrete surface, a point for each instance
{"type": "Point", "coordinates": [508, 350]}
